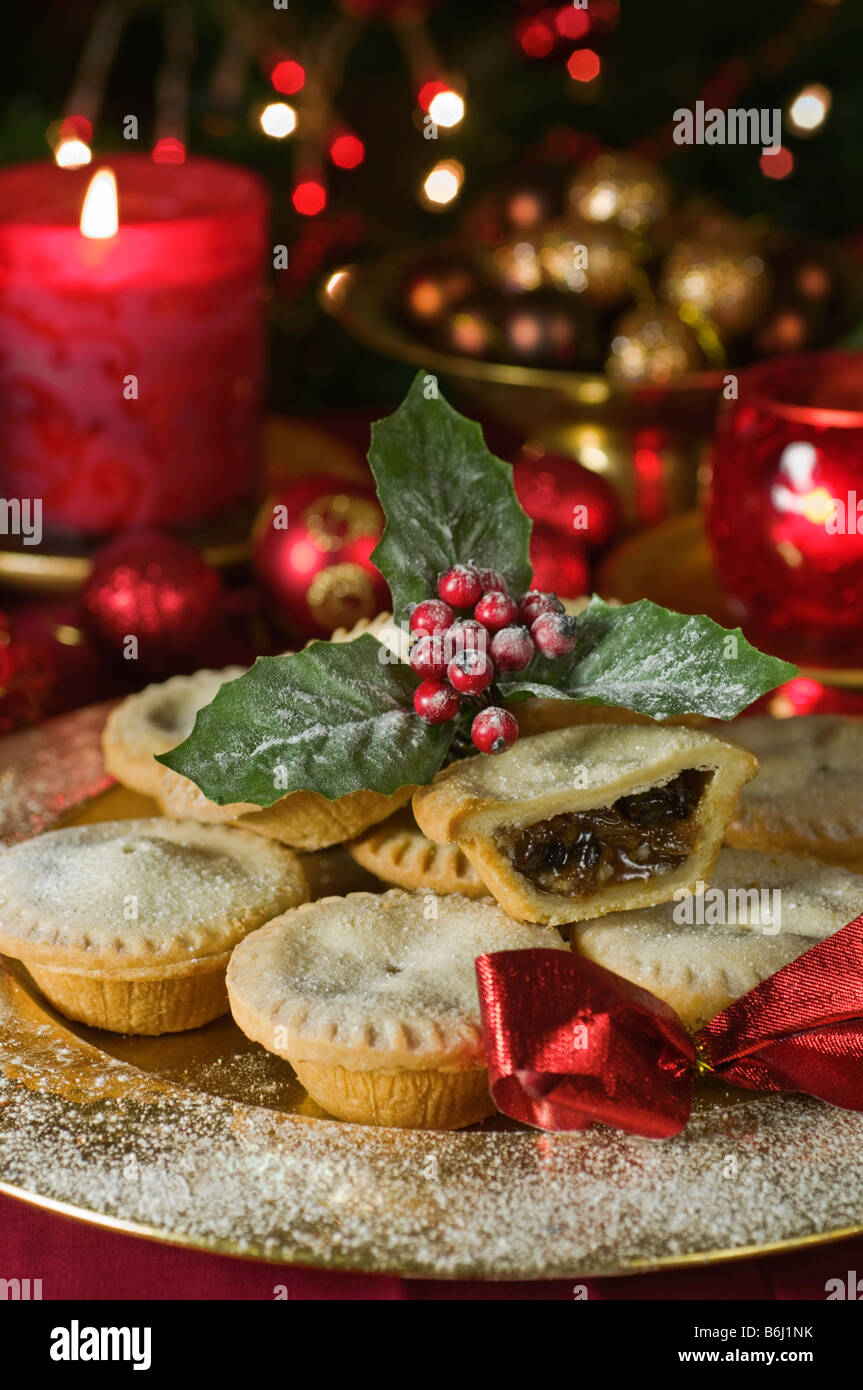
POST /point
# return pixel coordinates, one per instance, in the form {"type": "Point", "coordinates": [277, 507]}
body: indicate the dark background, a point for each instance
{"type": "Point", "coordinates": [521, 113]}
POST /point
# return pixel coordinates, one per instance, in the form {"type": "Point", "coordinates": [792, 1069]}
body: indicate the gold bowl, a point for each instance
{"type": "Point", "coordinates": [647, 440]}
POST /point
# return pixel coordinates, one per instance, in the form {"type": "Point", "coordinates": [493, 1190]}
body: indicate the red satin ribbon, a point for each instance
{"type": "Point", "coordinates": [569, 1043]}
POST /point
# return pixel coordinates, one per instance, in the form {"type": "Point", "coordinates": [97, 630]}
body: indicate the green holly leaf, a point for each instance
{"type": "Point", "coordinates": [337, 717]}
{"type": "Point", "coordinates": [445, 498]}
{"type": "Point", "coordinates": [646, 658]}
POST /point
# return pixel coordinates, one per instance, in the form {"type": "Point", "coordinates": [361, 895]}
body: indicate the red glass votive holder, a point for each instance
{"type": "Point", "coordinates": [785, 508]}
{"type": "Point", "coordinates": [131, 367]}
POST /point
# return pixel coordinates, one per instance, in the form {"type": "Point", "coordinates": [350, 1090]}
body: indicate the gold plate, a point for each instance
{"type": "Point", "coordinates": [204, 1139]}
{"type": "Point", "coordinates": [671, 564]}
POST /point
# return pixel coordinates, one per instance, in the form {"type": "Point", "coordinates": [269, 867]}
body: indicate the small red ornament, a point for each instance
{"type": "Point", "coordinates": [311, 549]}
{"type": "Point", "coordinates": [152, 598]}
{"type": "Point", "coordinates": [559, 565]}
{"type": "Point", "coordinates": [560, 492]}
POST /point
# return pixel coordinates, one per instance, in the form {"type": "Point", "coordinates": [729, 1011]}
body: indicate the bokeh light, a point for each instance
{"type": "Point", "coordinates": [278, 120]}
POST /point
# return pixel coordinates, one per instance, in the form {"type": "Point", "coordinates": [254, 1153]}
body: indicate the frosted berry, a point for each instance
{"type": "Point", "coordinates": [428, 658]}
{"type": "Point", "coordinates": [554, 634]}
{"type": "Point", "coordinates": [494, 730]}
{"type": "Point", "coordinates": [431, 616]}
{"type": "Point", "coordinates": [460, 586]}
{"type": "Point", "coordinates": [466, 635]}
{"type": "Point", "coordinates": [496, 610]}
{"type": "Point", "coordinates": [470, 672]}
{"type": "Point", "coordinates": [536, 602]}
{"type": "Point", "coordinates": [512, 648]}
{"type": "Point", "coordinates": [436, 702]}
{"type": "Point", "coordinates": [492, 579]}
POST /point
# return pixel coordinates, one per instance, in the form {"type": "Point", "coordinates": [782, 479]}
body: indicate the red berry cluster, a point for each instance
{"type": "Point", "coordinates": [457, 657]}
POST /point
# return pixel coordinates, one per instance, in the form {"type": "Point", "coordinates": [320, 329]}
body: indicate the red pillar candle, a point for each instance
{"type": "Point", "coordinates": [131, 366]}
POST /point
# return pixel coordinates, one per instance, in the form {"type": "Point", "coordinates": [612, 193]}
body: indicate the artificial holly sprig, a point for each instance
{"type": "Point", "coordinates": [343, 717]}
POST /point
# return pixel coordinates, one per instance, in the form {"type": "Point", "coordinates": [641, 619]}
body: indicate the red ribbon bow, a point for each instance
{"type": "Point", "coordinates": [569, 1043]}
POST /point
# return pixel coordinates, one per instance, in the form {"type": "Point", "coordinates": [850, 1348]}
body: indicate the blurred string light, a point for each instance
{"type": "Point", "coordinates": [778, 165]}
{"type": "Point", "coordinates": [446, 108]}
{"type": "Point", "coordinates": [288, 77]}
{"type": "Point", "coordinates": [278, 119]}
{"type": "Point", "coordinates": [169, 150]}
{"type": "Point", "coordinates": [347, 151]}
{"type": "Point", "coordinates": [810, 108]}
{"type": "Point", "coordinates": [309, 197]}
{"type": "Point", "coordinates": [429, 90]}
{"type": "Point", "coordinates": [442, 184]}
{"type": "Point", "coordinates": [583, 65]}
{"type": "Point", "coordinates": [88, 87]}
{"type": "Point", "coordinates": [72, 154]}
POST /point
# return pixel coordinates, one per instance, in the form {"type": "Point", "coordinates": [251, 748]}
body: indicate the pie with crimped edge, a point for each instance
{"type": "Point", "coordinates": [820, 754]}
{"type": "Point", "coordinates": [593, 819]}
{"type": "Point", "coordinates": [156, 719]}
{"type": "Point", "coordinates": [372, 998]}
{"type": "Point", "coordinates": [129, 925]}
{"type": "Point", "coordinates": [398, 852]}
{"type": "Point", "coordinates": [739, 934]}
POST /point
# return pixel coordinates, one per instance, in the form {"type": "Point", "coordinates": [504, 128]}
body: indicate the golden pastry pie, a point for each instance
{"type": "Point", "coordinates": [588, 820]}
{"type": "Point", "coordinates": [700, 953]}
{"type": "Point", "coordinates": [129, 925]}
{"type": "Point", "coordinates": [304, 820]}
{"type": "Point", "coordinates": [158, 718]}
{"type": "Point", "coordinates": [372, 999]}
{"type": "Point", "coordinates": [808, 797]}
{"type": "Point", "coordinates": [153, 721]}
{"type": "Point", "coordinates": [398, 852]}
{"type": "Point", "coordinates": [540, 716]}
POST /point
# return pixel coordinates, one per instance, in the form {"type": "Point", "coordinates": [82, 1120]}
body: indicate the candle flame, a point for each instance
{"type": "Point", "coordinates": [99, 214]}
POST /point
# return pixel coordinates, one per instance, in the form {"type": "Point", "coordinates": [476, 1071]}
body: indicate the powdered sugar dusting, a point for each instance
{"type": "Point", "coordinates": [497, 1201]}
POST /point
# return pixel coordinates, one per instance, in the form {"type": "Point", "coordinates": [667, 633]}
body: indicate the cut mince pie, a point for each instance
{"type": "Point", "coordinates": [588, 820]}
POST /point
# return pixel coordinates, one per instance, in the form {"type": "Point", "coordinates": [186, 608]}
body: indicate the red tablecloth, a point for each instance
{"type": "Point", "coordinates": [75, 1260]}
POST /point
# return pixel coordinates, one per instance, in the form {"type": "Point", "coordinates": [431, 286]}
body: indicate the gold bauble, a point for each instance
{"type": "Point", "coordinates": [580, 257]}
{"type": "Point", "coordinates": [340, 595]}
{"type": "Point", "coordinates": [652, 345]}
{"type": "Point", "coordinates": [725, 280]}
{"type": "Point", "coordinates": [620, 188]}
{"type": "Point", "coordinates": [569, 255]}
{"type": "Point", "coordinates": [514, 265]}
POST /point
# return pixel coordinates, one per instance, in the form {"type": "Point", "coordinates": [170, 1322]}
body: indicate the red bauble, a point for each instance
{"type": "Point", "coordinates": [153, 587]}
{"type": "Point", "coordinates": [311, 551]}
{"type": "Point", "coordinates": [559, 492]}
{"type": "Point", "coordinates": [558, 566]}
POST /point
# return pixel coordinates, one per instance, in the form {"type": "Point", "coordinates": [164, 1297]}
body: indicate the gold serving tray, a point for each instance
{"type": "Point", "coordinates": [204, 1139]}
